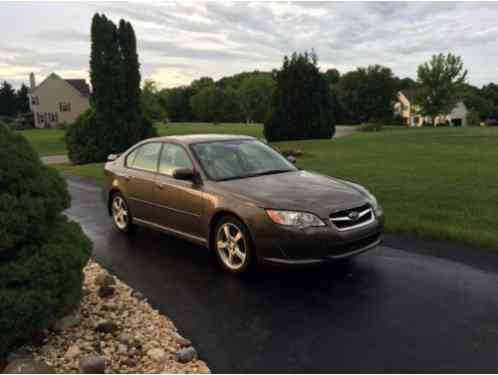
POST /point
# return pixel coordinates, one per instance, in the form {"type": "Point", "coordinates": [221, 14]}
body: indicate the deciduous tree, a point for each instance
{"type": "Point", "coordinates": [441, 80]}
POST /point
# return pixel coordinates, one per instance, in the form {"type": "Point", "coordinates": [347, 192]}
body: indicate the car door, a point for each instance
{"type": "Point", "coordinates": [180, 202]}
{"type": "Point", "coordinates": [138, 180]}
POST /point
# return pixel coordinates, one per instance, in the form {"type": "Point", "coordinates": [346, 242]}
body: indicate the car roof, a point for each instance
{"type": "Point", "coordinates": [197, 138]}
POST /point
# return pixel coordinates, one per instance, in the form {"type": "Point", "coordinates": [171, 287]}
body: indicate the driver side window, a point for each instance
{"type": "Point", "coordinates": [173, 157]}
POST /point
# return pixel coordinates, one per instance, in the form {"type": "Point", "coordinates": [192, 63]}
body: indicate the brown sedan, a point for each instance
{"type": "Point", "coordinates": [242, 199]}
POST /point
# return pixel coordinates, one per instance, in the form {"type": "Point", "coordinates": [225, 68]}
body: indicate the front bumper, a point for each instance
{"type": "Point", "coordinates": [294, 246]}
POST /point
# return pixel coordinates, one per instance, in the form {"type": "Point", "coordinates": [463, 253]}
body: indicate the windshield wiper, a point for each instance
{"type": "Point", "coordinates": [272, 171]}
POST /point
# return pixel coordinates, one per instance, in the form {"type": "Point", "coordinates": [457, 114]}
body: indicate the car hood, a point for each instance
{"type": "Point", "coordinates": [299, 191]}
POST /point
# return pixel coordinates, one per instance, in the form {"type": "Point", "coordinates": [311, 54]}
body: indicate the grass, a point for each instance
{"type": "Point", "coordinates": [51, 141]}
{"type": "Point", "coordinates": [436, 183]}
{"type": "Point", "coordinates": [46, 141]}
{"type": "Point", "coordinates": [93, 172]}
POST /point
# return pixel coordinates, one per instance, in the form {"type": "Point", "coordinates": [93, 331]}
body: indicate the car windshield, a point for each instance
{"type": "Point", "coordinates": [227, 160]}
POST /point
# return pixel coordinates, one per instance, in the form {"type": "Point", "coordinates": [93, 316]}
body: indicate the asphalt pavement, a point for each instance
{"type": "Point", "coordinates": [408, 306]}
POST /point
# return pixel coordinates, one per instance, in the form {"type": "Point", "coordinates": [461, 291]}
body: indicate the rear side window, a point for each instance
{"type": "Point", "coordinates": [144, 157]}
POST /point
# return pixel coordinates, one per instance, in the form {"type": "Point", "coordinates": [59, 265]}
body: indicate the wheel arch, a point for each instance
{"type": "Point", "coordinates": [217, 216]}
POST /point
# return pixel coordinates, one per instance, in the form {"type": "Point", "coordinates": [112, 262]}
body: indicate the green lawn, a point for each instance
{"type": "Point", "coordinates": [46, 141]}
{"type": "Point", "coordinates": [438, 183]}
{"type": "Point", "coordinates": [51, 141]}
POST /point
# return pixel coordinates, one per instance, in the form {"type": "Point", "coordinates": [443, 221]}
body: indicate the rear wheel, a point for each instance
{"type": "Point", "coordinates": [121, 214]}
{"type": "Point", "coordinates": [232, 244]}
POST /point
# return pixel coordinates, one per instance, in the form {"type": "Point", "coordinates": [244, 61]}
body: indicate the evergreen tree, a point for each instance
{"type": "Point", "coordinates": [300, 106]}
{"type": "Point", "coordinates": [22, 99]}
{"type": "Point", "coordinates": [116, 121]}
{"type": "Point", "coordinates": [7, 100]}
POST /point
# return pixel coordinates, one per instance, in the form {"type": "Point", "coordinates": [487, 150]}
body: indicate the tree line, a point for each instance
{"type": "Point", "coordinates": [364, 94]}
{"type": "Point", "coordinates": [13, 102]}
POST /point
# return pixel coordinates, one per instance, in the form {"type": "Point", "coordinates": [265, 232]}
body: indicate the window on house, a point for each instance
{"type": "Point", "coordinates": [65, 107]}
{"type": "Point", "coordinates": [35, 100]}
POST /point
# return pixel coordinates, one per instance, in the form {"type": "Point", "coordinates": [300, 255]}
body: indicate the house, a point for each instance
{"type": "Point", "coordinates": [410, 112]}
{"type": "Point", "coordinates": [57, 101]}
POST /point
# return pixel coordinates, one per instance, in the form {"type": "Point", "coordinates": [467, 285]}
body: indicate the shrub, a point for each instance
{"type": "Point", "coordinates": [83, 139]}
{"type": "Point", "coordinates": [41, 253]}
{"type": "Point", "coordinates": [371, 127]}
{"type": "Point", "coordinates": [300, 105]}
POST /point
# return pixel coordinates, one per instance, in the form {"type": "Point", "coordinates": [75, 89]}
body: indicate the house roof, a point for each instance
{"type": "Point", "coordinates": [80, 85]}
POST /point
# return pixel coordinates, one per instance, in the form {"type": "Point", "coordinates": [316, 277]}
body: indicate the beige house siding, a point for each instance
{"type": "Point", "coordinates": [412, 117]}
{"type": "Point", "coordinates": [55, 101]}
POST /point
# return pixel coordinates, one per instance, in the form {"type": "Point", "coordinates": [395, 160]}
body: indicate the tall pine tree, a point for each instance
{"type": "Point", "coordinates": [115, 121]}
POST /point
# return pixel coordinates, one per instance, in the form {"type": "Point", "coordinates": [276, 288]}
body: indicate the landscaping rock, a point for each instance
{"type": "Point", "coordinates": [182, 341]}
{"type": "Point", "coordinates": [67, 322]}
{"type": "Point", "coordinates": [127, 330]}
{"type": "Point", "coordinates": [106, 291]}
{"type": "Point", "coordinates": [92, 365]}
{"type": "Point", "coordinates": [126, 339]}
{"type": "Point", "coordinates": [138, 295]}
{"type": "Point", "coordinates": [73, 352]}
{"type": "Point", "coordinates": [186, 354]}
{"type": "Point", "coordinates": [157, 355]}
{"type": "Point", "coordinates": [40, 338]}
{"type": "Point", "coordinates": [28, 366]}
{"type": "Point", "coordinates": [104, 279]}
{"type": "Point", "coordinates": [130, 362]}
{"type": "Point", "coordinates": [106, 327]}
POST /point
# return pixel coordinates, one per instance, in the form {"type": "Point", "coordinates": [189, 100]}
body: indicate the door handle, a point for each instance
{"type": "Point", "coordinates": [126, 177]}
{"type": "Point", "coordinates": [159, 185]}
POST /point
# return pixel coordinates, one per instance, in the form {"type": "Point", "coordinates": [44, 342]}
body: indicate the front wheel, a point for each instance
{"type": "Point", "coordinates": [121, 214]}
{"type": "Point", "coordinates": [233, 245]}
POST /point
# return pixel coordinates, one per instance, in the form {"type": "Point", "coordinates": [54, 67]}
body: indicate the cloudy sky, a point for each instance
{"type": "Point", "coordinates": [182, 41]}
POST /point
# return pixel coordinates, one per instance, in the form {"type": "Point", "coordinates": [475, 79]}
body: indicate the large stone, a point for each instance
{"type": "Point", "coordinates": [104, 279]}
{"type": "Point", "coordinates": [182, 341]}
{"type": "Point", "coordinates": [28, 366]}
{"type": "Point", "coordinates": [138, 295]}
{"type": "Point", "coordinates": [158, 355]}
{"type": "Point", "coordinates": [92, 365]}
{"type": "Point", "coordinates": [72, 352]}
{"type": "Point", "coordinates": [106, 291]}
{"type": "Point", "coordinates": [126, 339]}
{"type": "Point", "coordinates": [186, 355]}
{"type": "Point", "coordinates": [106, 326]}
{"type": "Point", "coordinates": [67, 322]}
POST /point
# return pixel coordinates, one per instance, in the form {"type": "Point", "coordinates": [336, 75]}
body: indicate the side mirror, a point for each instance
{"type": "Point", "coordinates": [184, 174]}
{"type": "Point", "coordinates": [112, 157]}
{"type": "Point", "coordinates": [292, 159]}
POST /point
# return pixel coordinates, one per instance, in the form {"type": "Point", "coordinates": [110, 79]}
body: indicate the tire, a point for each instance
{"type": "Point", "coordinates": [122, 222]}
{"type": "Point", "coordinates": [235, 253]}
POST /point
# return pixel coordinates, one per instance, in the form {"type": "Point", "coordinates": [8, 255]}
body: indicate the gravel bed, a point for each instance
{"type": "Point", "coordinates": [116, 331]}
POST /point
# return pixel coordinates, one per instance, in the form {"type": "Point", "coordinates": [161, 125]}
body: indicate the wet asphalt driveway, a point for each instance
{"type": "Point", "coordinates": [395, 309]}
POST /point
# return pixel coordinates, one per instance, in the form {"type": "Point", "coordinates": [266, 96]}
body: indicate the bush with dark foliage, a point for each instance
{"type": "Point", "coordinates": [41, 253]}
{"type": "Point", "coordinates": [300, 106]}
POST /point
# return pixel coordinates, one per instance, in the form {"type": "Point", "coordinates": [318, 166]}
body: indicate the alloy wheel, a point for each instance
{"type": "Point", "coordinates": [231, 246]}
{"type": "Point", "coordinates": [120, 212]}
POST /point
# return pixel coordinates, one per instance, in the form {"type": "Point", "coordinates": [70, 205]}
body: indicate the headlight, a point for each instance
{"type": "Point", "coordinates": [296, 219]}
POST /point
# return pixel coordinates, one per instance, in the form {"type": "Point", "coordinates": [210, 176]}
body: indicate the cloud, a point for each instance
{"type": "Point", "coordinates": [181, 41]}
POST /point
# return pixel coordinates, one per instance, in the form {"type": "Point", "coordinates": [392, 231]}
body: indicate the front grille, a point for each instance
{"type": "Point", "coordinates": [352, 218]}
